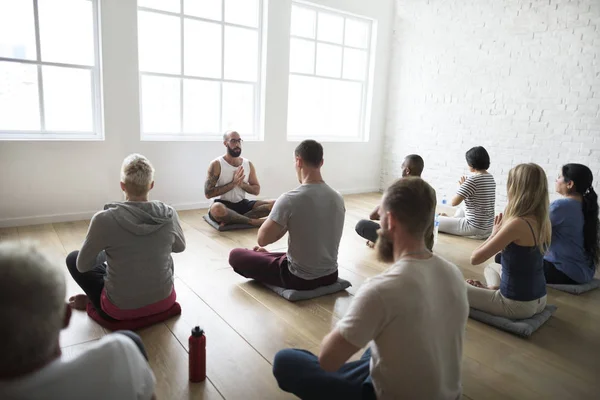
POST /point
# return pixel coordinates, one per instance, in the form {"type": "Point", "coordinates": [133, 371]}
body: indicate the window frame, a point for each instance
{"type": "Point", "coordinates": [367, 83]}
{"type": "Point", "coordinates": [43, 134]}
{"type": "Point", "coordinates": [258, 134]}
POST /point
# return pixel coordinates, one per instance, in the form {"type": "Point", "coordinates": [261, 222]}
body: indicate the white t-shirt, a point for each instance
{"type": "Point", "coordinates": [112, 369]}
{"type": "Point", "coordinates": [314, 216]}
{"type": "Point", "coordinates": [414, 314]}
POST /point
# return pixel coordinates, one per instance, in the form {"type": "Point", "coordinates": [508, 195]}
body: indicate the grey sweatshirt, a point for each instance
{"type": "Point", "coordinates": [138, 238]}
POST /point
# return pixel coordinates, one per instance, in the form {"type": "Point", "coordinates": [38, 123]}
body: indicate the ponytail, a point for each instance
{"type": "Point", "coordinates": [590, 226]}
{"type": "Point", "coordinates": [582, 178]}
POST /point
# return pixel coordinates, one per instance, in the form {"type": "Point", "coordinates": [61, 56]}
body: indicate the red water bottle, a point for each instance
{"type": "Point", "coordinates": [197, 346]}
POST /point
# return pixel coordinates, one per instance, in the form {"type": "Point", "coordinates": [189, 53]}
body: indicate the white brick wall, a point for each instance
{"type": "Point", "coordinates": [521, 78]}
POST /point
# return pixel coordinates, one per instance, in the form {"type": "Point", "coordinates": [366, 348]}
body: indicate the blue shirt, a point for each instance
{"type": "Point", "coordinates": [566, 250]}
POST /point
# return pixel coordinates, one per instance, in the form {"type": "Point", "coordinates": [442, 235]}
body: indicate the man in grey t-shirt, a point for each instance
{"type": "Point", "coordinates": [313, 215]}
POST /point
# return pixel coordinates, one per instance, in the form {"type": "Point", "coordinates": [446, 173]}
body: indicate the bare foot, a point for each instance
{"type": "Point", "coordinates": [443, 215]}
{"type": "Point", "coordinates": [260, 249]}
{"type": "Point", "coordinates": [370, 244]}
{"type": "Point", "coordinates": [78, 302]}
{"type": "Point", "coordinates": [476, 283]}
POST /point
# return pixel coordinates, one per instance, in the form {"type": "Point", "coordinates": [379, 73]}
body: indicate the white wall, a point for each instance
{"type": "Point", "coordinates": [59, 181]}
{"type": "Point", "coordinates": [521, 78]}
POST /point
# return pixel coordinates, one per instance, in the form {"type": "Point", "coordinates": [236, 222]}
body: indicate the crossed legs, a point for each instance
{"type": "Point", "coordinates": [224, 215]}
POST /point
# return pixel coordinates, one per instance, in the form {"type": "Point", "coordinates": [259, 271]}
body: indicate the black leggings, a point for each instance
{"type": "Point", "coordinates": [553, 275]}
{"type": "Point", "coordinates": [367, 229]}
{"type": "Point", "coordinates": [91, 282]}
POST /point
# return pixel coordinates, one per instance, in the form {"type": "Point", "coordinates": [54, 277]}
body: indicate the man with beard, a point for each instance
{"type": "Point", "coordinates": [313, 214]}
{"type": "Point", "coordinates": [411, 166]}
{"type": "Point", "coordinates": [230, 177]}
{"type": "Point", "coordinates": [412, 317]}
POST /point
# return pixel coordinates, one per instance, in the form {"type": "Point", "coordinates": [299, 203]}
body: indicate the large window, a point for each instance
{"type": "Point", "coordinates": [330, 60]}
{"type": "Point", "coordinates": [200, 67]}
{"type": "Point", "coordinates": [49, 74]}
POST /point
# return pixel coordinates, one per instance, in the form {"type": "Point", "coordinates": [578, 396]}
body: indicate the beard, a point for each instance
{"type": "Point", "coordinates": [234, 152]}
{"type": "Point", "coordinates": [384, 247]}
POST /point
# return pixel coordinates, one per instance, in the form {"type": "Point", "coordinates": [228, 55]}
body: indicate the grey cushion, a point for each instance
{"type": "Point", "coordinates": [578, 289]}
{"type": "Point", "coordinates": [296, 295]}
{"type": "Point", "coordinates": [521, 327]}
{"type": "Point", "coordinates": [228, 227]}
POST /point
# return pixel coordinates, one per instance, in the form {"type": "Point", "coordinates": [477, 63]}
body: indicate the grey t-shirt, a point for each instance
{"type": "Point", "coordinates": [313, 214]}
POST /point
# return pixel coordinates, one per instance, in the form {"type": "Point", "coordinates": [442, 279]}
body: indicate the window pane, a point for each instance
{"type": "Point", "coordinates": [329, 60]}
{"type": "Point", "coordinates": [67, 31]}
{"type": "Point", "coordinates": [164, 5]}
{"type": "Point", "coordinates": [242, 12]}
{"type": "Point", "coordinates": [324, 107]}
{"type": "Point", "coordinates": [159, 42]}
{"type": "Point", "coordinates": [303, 22]}
{"type": "Point", "coordinates": [210, 9]}
{"type": "Point", "coordinates": [238, 108]}
{"type": "Point", "coordinates": [357, 33]}
{"type": "Point", "coordinates": [331, 28]}
{"type": "Point", "coordinates": [68, 99]}
{"type": "Point", "coordinates": [201, 101]}
{"type": "Point", "coordinates": [202, 56]}
{"type": "Point", "coordinates": [241, 54]}
{"type": "Point", "coordinates": [160, 104]}
{"type": "Point", "coordinates": [355, 64]}
{"type": "Point", "coordinates": [302, 56]}
{"type": "Point", "coordinates": [19, 101]}
{"type": "Point", "coordinates": [17, 30]}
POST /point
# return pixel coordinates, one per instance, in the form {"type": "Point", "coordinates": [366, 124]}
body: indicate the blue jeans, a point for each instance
{"type": "Point", "coordinates": [298, 372]}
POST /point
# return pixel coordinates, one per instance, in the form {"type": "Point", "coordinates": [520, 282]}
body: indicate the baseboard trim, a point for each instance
{"type": "Point", "coordinates": [70, 217]}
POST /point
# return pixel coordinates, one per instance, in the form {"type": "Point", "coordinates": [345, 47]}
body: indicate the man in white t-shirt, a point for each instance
{"type": "Point", "coordinates": [229, 178]}
{"type": "Point", "coordinates": [313, 215]}
{"type": "Point", "coordinates": [33, 312]}
{"type": "Point", "coordinates": [412, 317]}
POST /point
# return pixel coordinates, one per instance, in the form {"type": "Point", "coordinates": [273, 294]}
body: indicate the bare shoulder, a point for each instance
{"type": "Point", "coordinates": [214, 168]}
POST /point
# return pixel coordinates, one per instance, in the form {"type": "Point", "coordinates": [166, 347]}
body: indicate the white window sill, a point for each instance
{"type": "Point", "coordinates": [50, 136]}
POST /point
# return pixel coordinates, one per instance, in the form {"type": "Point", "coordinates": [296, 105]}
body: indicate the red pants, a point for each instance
{"type": "Point", "coordinates": [272, 268]}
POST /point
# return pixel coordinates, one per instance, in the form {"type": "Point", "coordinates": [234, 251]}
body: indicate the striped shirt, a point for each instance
{"type": "Point", "coordinates": [479, 192]}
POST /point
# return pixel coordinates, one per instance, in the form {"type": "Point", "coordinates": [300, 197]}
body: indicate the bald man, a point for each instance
{"type": "Point", "coordinates": [411, 166]}
{"type": "Point", "coordinates": [229, 178]}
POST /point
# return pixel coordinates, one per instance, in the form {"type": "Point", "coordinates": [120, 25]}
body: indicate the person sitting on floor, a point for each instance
{"type": "Point", "coordinates": [411, 166]}
{"type": "Point", "coordinates": [517, 288]}
{"type": "Point", "coordinates": [313, 215]}
{"type": "Point", "coordinates": [230, 177]}
{"type": "Point", "coordinates": [478, 191]}
{"type": "Point", "coordinates": [412, 316]}
{"type": "Point", "coordinates": [125, 266]}
{"type": "Point", "coordinates": [33, 312]}
{"type": "Point", "coordinates": [574, 250]}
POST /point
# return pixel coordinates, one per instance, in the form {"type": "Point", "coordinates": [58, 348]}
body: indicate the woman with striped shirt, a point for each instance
{"type": "Point", "coordinates": [478, 191]}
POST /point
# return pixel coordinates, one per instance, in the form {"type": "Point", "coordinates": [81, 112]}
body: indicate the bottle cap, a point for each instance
{"type": "Point", "coordinates": [197, 331]}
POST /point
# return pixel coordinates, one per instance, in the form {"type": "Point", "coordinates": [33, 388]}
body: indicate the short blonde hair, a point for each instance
{"type": "Point", "coordinates": [137, 173]}
{"type": "Point", "coordinates": [32, 306]}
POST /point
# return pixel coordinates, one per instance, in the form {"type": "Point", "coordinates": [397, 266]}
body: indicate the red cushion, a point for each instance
{"type": "Point", "coordinates": [133, 324]}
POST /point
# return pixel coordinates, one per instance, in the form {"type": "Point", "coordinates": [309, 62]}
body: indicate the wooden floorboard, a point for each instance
{"type": "Point", "coordinates": [246, 324]}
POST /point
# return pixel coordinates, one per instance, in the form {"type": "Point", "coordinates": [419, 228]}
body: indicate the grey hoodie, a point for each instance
{"type": "Point", "coordinates": [138, 238]}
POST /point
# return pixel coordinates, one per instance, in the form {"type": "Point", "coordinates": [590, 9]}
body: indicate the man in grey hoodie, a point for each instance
{"type": "Point", "coordinates": [125, 266]}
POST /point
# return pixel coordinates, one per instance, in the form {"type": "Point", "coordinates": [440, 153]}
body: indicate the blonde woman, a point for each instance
{"type": "Point", "coordinates": [517, 287]}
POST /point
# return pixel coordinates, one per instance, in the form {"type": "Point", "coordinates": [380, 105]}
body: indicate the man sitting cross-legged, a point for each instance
{"type": "Point", "coordinates": [230, 177]}
{"type": "Point", "coordinates": [33, 312]}
{"type": "Point", "coordinates": [412, 317]}
{"type": "Point", "coordinates": [313, 215]}
{"type": "Point", "coordinates": [411, 166]}
{"type": "Point", "coordinates": [125, 266]}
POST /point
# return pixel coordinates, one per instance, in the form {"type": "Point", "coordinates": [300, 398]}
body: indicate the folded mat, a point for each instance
{"type": "Point", "coordinates": [296, 295]}
{"type": "Point", "coordinates": [228, 227]}
{"type": "Point", "coordinates": [133, 324]}
{"type": "Point", "coordinates": [521, 327]}
{"type": "Point", "coordinates": [578, 289]}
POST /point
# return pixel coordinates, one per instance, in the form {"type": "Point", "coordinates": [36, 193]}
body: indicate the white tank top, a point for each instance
{"type": "Point", "coordinates": [236, 194]}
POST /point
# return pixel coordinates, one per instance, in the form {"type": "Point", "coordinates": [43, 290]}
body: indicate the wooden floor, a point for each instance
{"type": "Point", "coordinates": [247, 324]}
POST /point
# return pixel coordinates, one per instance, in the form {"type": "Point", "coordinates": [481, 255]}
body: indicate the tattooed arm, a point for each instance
{"type": "Point", "coordinates": [252, 187]}
{"type": "Point", "coordinates": [210, 185]}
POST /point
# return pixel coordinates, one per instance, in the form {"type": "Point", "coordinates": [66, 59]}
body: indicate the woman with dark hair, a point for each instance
{"type": "Point", "coordinates": [478, 191]}
{"type": "Point", "coordinates": [574, 251]}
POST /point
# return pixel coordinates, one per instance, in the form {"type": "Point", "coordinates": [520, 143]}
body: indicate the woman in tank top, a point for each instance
{"type": "Point", "coordinates": [516, 288]}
